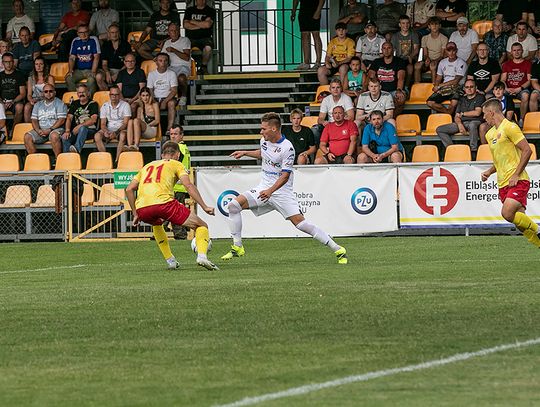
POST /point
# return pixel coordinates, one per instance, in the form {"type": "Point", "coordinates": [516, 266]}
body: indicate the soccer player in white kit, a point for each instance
{"type": "Point", "coordinates": [275, 191]}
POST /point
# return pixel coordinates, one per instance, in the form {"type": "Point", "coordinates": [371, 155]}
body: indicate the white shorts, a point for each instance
{"type": "Point", "coordinates": [286, 204]}
{"type": "Point", "coordinates": [179, 69]}
{"type": "Point", "coordinates": [2, 112]}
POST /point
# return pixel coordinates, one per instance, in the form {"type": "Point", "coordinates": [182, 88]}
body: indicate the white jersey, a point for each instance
{"type": "Point", "coordinates": [277, 158]}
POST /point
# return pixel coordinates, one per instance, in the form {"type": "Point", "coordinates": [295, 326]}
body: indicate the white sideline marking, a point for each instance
{"type": "Point", "coordinates": [75, 266]}
{"type": "Point", "coordinates": [295, 391]}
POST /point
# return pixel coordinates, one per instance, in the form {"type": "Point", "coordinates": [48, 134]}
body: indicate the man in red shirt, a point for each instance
{"type": "Point", "coordinates": [67, 29]}
{"type": "Point", "coordinates": [338, 140]}
{"type": "Point", "coordinates": [516, 74]}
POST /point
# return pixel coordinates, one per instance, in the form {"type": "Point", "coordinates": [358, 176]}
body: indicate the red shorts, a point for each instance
{"type": "Point", "coordinates": [517, 192]}
{"type": "Point", "coordinates": [173, 211]}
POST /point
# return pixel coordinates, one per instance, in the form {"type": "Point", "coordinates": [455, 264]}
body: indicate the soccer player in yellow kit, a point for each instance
{"type": "Point", "coordinates": [155, 203]}
{"type": "Point", "coordinates": [511, 153]}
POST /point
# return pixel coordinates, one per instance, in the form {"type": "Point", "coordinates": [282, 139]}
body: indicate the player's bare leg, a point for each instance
{"type": "Point", "coordinates": [202, 238]}
{"type": "Point", "coordinates": [235, 207]}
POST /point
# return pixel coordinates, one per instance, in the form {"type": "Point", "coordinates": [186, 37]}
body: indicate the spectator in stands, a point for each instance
{"type": "Point", "coordinates": [25, 51]}
{"type": "Point", "coordinates": [48, 119]}
{"type": "Point", "coordinates": [390, 71]}
{"type": "Point", "coordinates": [339, 52]}
{"type": "Point", "coordinates": [407, 45]}
{"type": "Point", "coordinates": [338, 140]}
{"type": "Point", "coordinates": [130, 81]}
{"type": "Point", "coordinates": [309, 20]}
{"type": "Point", "coordinates": [420, 12]}
{"type": "Point", "coordinates": [388, 17]}
{"type": "Point", "coordinates": [12, 88]}
{"type": "Point", "coordinates": [527, 41]}
{"type": "Point", "coordinates": [466, 40]}
{"type": "Point", "coordinates": [19, 21]}
{"type": "Point", "coordinates": [199, 25]}
{"type": "Point", "coordinates": [301, 138]}
{"type": "Point", "coordinates": [485, 71]}
{"type": "Point", "coordinates": [34, 87]}
{"type": "Point", "coordinates": [508, 108]}
{"type": "Point", "coordinates": [374, 99]}
{"type": "Point", "coordinates": [509, 12]}
{"type": "Point", "coordinates": [145, 124]}
{"type": "Point", "coordinates": [533, 17]}
{"type": "Point", "coordinates": [449, 11]}
{"type": "Point", "coordinates": [516, 75]}
{"type": "Point", "coordinates": [336, 98]}
{"type": "Point", "coordinates": [66, 31]}
{"type": "Point", "coordinates": [450, 74]}
{"type": "Point", "coordinates": [369, 46]}
{"type": "Point", "coordinates": [380, 142]}
{"type": "Point", "coordinates": [433, 48]}
{"type": "Point", "coordinates": [114, 116]}
{"type": "Point", "coordinates": [113, 52]}
{"type": "Point", "coordinates": [535, 86]}
{"type": "Point", "coordinates": [180, 192]}
{"type": "Point", "coordinates": [83, 60]}
{"type": "Point", "coordinates": [102, 19]}
{"type": "Point", "coordinates": [355, 16]}
{"type": "Point", "coordinates": [157, 29]}
{"type": "Point", "coordinates": [179, 51]}
{"type": "Point", "coordinates": [4, 47]}
{"type": "Point", "coordinates": [356, 82]}
{"type": "Point", "coordinates": [496, 39]}
{"type": "Point", "coordinates": [164, 86]}
{"type": "Point", "coordinates": [467, 118]}
{"type": "Point", "coordinates": [81, 121]}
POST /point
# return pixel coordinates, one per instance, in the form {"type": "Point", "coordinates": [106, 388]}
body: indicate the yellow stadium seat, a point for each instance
{"type": "Point", "coordinates": [109, 196]}
{"type": "Point", "coordinates": [457, 152]}
{"type": "Point", "coordinates": [68, 97]}
{"type": "Point", "coordinates": [193, 74]}
{"type": "Point", "coordinates": [408, 125]}
{"type": "Point", "coordinates": [320, 89]}
{"type": "Point", "coordinates": [17, 196]}
{"type": "Point", "coordinates": [45, 197]}
{"type": "Point", "coordinates": [533, 148]}
{"type": "Point", "coordinates": [101, 96]}
{"type": "Point", "coordinates": [99, 161]}
{"type": "Point", "coordinates": [68, 162]}
{"type": "Point", "coordinates": [425, 153]}
{"type": "Point", "coordinates": [18, 133]}
{"type": "Point", "coordinates": [419, 93]}
{"type": "Point", "coordinates": [531, 123]}
{"type": "Point", "coordinates": [45, 39]}
{"type": "Point", "coordinates": [148, 66]}
{"type": "Point", "coordinates": [9, 162]}
{"type": "Point", "coordinates": [135, 35]}
{"type": "Point", "coordinates": [88, 195]}
{"type": "Point", "coordinates": [59, 71]}
{"type": "Point", "coordinates": [37, 162]}
{"type": "Point", "coordinates": [130, 161]}
{"type": "Point", "coordinates": [482, 27]}
{"type": "Point", "coordinates": [309, 121]}
{"type": "Point", "coordinates": [435, 120]}
{"type": "Point", "coordinates": [484, 153]}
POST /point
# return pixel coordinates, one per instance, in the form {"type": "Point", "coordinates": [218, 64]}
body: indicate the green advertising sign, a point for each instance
{"type": "Point", "coordinates": [123, 178]}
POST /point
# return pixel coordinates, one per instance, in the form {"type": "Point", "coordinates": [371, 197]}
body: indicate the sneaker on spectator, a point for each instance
{"type": "Point", "coordinates": [2, 137]}
{"type": "Point", "coordinates": [182, 102]}
{"type": "Point", "coordinates": [520, 123]}
{"type": "Point", "coordinates": [302, 67]}
{"type": "Point", "coordinates": [73, 149]}
{"type": "Point", "coordinates": [315, 67]}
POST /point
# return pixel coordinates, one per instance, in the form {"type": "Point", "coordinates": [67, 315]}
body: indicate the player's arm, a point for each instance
{"type": "Point", "coordinates": [487, 173]}
{"type": "Point", "coordinates": [194, 193]}
{"type": "Point", "coordinates": [130, 194]}
{"type": "Point", "coordinates": [282, 180]}
{"type": "Point", "coordinates": [249, 153]}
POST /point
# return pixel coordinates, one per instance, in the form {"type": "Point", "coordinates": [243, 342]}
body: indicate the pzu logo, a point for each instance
{"type": "Point", "coordinates": [364, 201]}
{"type": "Point", "coordinates": [224, 199]}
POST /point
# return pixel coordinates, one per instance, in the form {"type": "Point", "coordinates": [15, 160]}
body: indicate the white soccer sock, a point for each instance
{"type": "Point", "coordinates": [318, 234]}
{"type": "Point", "coordinates": [235, 222]}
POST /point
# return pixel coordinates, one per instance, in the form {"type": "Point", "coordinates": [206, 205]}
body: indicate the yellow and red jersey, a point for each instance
{"type": "Point", "coordinates": [156, 182]}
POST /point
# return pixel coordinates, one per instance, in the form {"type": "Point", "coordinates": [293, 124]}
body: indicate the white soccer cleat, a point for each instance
{"type": "Point", "coordinates": [207, 264]}
{"type": "Point", "coordinates": [172, 264]}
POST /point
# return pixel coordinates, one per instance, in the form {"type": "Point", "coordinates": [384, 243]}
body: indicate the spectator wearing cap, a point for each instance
{"type": "Point", "coordinates": [527, 41]}
{"type": "Point", "coordinates": [466, 40]}
{"type": "Point", "coordinates": [449, 11]}
{"type": "Point", "coordinates": [510, 12]}
{"type": "Point", "coordinates": [369, 46]}
{"type": "Point", "coordinates": [450, 74]}
{"type": "Point", "coordinates": [388, 17]}
{"type": "Point", "coordinates": [339, 52]}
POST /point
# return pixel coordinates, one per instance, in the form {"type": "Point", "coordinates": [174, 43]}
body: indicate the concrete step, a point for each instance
{"type": "Point", "coordinates": [227, 117]}
{"type": "Point", "coordinates": [221, 126]}
{"type": "Point", "coordinates": [236, 106]}
{"type": "Point", "coordinates": [243, 96]}
{"type": "Point", "coordinates": [242, 86]}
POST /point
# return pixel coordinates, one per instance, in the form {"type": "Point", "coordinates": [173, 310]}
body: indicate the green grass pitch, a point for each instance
{"type": "Point", "coordinates": [105, 324]}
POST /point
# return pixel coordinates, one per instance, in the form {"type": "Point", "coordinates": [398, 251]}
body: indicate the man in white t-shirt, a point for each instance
{"type": "Point", "coordinates": [369, 46]}
{"type": "Point", "coordinates": [451, 74]}
{"type": "Point", "coordinates": [164, 85]}
{"type": "Point", "coordinates": [179, 50]}
{"type": "Point", "coordinates": [466, 40]}
{"type": "Point", "coordinates": [527, 41]}
{"type": "Point", "coordinates": [275, 190]}
{"type": "Point", "coordinates": [19, 21]}
{"type": "Point", "coordinates": [336, 98]}
{"type": "Point", "coordinates": [114, 116]}
{"type": "Point", "coordinates": [374, 99]}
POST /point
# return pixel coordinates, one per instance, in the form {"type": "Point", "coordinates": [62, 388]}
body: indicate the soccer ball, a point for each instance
{"type": "Point", "coordinates": [194, 245]}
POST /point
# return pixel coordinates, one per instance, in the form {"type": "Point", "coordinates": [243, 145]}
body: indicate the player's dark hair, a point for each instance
{"type": "Point", "coordinates": [273, 119]}
{"type": "Point", "coordinates": [170, 148]}
{"type": "Point", "coordinates": [493, 104]}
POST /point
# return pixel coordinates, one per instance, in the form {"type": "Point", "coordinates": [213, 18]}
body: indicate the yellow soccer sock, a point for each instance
{"type": "Point", "coordinates": [162, 241]}
{"type": "Point", "coordinates": [527, 227]}
{"type": "Point", "coordinates": [202, 237]}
